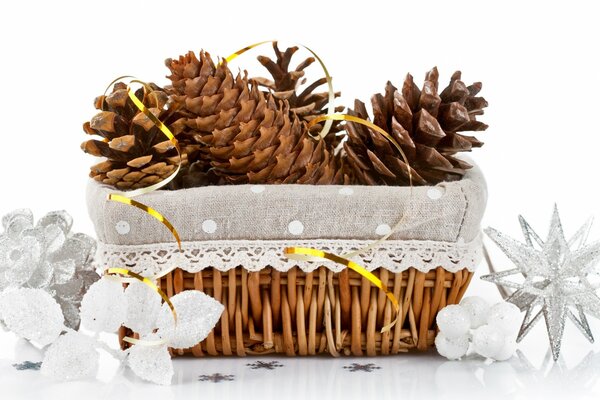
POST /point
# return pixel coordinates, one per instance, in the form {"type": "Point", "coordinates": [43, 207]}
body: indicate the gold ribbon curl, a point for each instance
{"type": "Point", "coordinates": [331, 93]}
{"type": "Point", "coordinates": [294, 252]}
{"type": "Point", "coordinates": [306, 254]}
{"type": "Point", "coordinates": [128, 200]}
{"type": "Point", "coordinates": [115, 272]}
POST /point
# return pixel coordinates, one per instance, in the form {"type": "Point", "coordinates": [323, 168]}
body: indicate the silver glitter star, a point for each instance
{"type": "Point", "coordinates": [555, 279]}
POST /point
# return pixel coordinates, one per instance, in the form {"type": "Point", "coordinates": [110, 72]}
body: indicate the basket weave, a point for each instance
{"type": "Point", "coordinates": [232, 241]}
{"type": "Point", "coordinates": [298, 313]}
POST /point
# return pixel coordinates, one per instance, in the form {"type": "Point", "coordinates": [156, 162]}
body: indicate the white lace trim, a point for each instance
{"type": "Point", "coordinates": [394, 255]}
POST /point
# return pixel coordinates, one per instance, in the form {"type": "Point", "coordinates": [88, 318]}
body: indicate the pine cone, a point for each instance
{"type": "Point", "coordinates": [427, 125]}
{"type": "Point", "coordinates": [248, 138]}
{"type": "Point", "coordinates": [195, 174]}
{"type": "Point", "coordinates": [289, 85]}
{"type": "Point", "coordinates": [137, 153]}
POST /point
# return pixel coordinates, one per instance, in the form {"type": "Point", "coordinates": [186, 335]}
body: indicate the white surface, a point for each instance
{"type": "Point", "coordinates": [532, 375]}
{"type": "Point", "coordinates": [538, 62]}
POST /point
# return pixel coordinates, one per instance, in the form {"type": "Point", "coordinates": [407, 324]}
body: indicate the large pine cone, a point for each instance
{"type": "Point", "coordinates": [248, 138]}
{"type": "Point", "coordinates": [137, 153]}
{"type": "Point", "coordinates": [427, 125]}
{"type": "Point", "coordinates": [291, 86]}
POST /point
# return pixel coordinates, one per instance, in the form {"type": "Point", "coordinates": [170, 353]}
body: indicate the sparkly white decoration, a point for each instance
{"type": "Point", "coordinates": [452, 348]}
{"type": "Point", "coordinates": [257, 189]}
{"type": "Point", "coordinates": [143, 306]}
{"type": "Point", "coordinates": [46, 260]}
{"type": "Point", "coordinates": [469, 321]}
{"type": "Point", "coordinates": [72, 356]}
{"type": "Point", "coordinates": [454, 321]}
{"type": "Point", "coordinates": [197, 314]}
{"type": "Point", "coordinates": [152, 363]}
{"type": "Point", "coordinates": [477, 308]}
{"type": "Point", "coordinates": [104, 306]}
{"type": "Point", "coordinates": [32, 314]}
{"type": "Point", "coordinates": [505, 316]}
{"type": "Point", "coordinates": [296, 227]}
{"type": "Point", "coordinates": [434, 193]}
{"type": "Point", "coordinates": [123, 227]}
{"type": "Point", "coordinates": [346, 191]}
{"type": "Point", "coordinates": [48, 256]}
{"type": "Point", "coordinates": [209, 226]}
{"type": "Point", "coordinates": [508, 349]}
{"type": "Point", "coordinates": [383, 229]}
{"type": "Point", "coordinates": [558, 277]}
{"type": "Point", "coordinates": [488, 341]}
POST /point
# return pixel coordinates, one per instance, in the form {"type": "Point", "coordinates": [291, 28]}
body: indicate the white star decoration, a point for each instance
{"type": "Point", "coordinates": [555, 278]}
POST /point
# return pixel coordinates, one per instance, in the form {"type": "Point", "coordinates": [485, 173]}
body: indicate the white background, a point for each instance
{"type": "Point", "coordinates": [538, 62]}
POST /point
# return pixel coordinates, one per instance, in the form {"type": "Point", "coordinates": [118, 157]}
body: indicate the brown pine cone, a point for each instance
{"type": "Point", "coordinates": [428, 127]}
{"type": "Point", "coordinates": [290, 85]}
{"type": "Point", "coordinates": [137, 153]}
{"type": "Point", "coordinates": [248, 138]}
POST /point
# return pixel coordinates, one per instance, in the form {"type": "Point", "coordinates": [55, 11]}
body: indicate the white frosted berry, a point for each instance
{"type": "Point", "coordinates": [506, 317]}
{"type": "Point", "coordinates": [104, 306]}
{"type": "Point", "coordinates": [508, 349]}
{"type": "Point", "coordinates": [151, 363]}
{"type": "Point", "coordinates": [488, 341]}
{"type": "Point", "coordinates": [452, 348]}
{"type": "Point", "coordinates": [477, 308]}
{"type": "Point", "coordinates": [73, 356]}
{"type": "Point", "coordinates": [453, 321]}
{"type": "Point", "coordinates": [197, 314]}
{"type": "Point", "coordinates": [32, 314]}
{"type": "Point", "coordinates": [143, 306]}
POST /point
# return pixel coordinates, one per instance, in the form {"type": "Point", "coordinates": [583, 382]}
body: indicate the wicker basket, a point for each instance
{"type": "Point", "coordinates": [299, 313]}
{"type": "Point", "coordinates": [273, 305]}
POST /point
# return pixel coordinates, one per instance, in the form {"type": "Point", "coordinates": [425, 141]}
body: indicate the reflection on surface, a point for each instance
{"type": "Point", "coordinates": [407, 376]}
{"type": "Point", "coordinates": [412, 376]}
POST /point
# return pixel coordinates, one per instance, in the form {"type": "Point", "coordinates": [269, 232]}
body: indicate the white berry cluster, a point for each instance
{"type": "Point", "coordinates": [490, 331]}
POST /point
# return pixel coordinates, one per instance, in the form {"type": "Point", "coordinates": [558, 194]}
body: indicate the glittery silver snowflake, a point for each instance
{"type": "Point", "coordinates": [556, 278]}
{"type": "Point", "coordinates": [354, 367]}
{"type": "Point", "coordinates": [48, 256]}
{"type": "Point", "coordinates": [216, 378]}
{"type": "Point", "coordinates": [28, 365]}
{"type": "Point", "coordinates": [269, 365]}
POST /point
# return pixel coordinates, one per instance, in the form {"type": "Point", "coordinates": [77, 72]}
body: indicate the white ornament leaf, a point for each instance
{"type": "Point", "coordinates": [143, 307]}
{"type": "Point", "coordinates": [151, 363]}
{"type": "Point", "coordinates": [41, 277]}
{"type": "Point", "coordinates": [16, 222]}
{"type": "Point", "coordinates": [32, 314]}
{"type": "Point", "coordinates": [104, 306]}
{"type": "Point", "coordinates": [24, 260]}
{"type": "Point", "coordinates": [54, 237]}
{"type": "Point", "coordinates": [73, 356]}
{"type": "Point", "coordinates": [63, 271]}
{"type": "Point", "coordinates": [197, 314]}
{"type": "Point", "coordinates": [60, 218]}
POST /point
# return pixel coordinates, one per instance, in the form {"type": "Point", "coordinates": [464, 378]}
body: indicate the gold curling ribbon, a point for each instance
{"type": "Point", "coordinates": [122, 271]}
{"type": "Point", "coordinates": [331, 94]}
{"type": "Point", "coordinates": [302, 252]}
{"type": "Point", "coordinates": [369, 124]}
{"type": "Point", "coordinates": [127, 200]}
{"type": "Point", "coordinates": [163, 128]}
{"type": "Point", "coordinates": [306, 254]}
{"type": "Point", "coordinates": [352, 118]}
{"type": "Point", "coordinates": [149, 210]}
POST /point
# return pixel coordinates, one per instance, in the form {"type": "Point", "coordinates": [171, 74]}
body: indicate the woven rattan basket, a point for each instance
{"type": "Point", "coordinates": [233, 240]}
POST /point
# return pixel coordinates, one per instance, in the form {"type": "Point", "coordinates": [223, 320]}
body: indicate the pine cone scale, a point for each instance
{"type": "Point", "coordinates": [428, 127]}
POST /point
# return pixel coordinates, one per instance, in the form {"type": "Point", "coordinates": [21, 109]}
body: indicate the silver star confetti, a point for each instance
{"type": "Point", "coordinates": [555, 278]}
